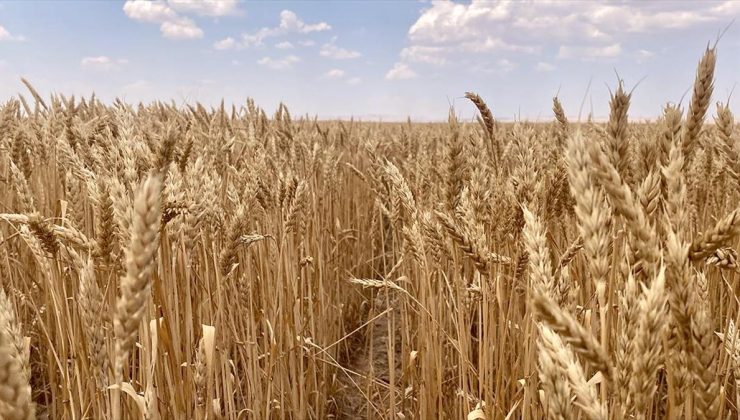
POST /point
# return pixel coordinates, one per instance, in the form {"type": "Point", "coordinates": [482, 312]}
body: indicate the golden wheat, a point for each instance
{"type": "Point", "coordinates": [162, 262]}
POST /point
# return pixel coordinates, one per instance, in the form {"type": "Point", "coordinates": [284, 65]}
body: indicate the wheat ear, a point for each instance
{"type": "Point", "coordinates": [15, 392]}
{"type": "Point", "coordinates": [140, 265]}
{"type": "Point", "coordinates": [703, 87]}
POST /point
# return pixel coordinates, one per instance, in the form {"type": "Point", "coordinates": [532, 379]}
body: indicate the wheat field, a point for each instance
{"type": "Point", "coordinates": [166, 262]}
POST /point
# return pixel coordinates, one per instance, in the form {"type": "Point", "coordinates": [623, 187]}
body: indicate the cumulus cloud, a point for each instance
{"type": "Point", "coordinates": [285, 45]}
{"type": "Point", "coordinates": [505, 65]}
{"type": "Point", "coordinates": [442, 54]}
{"type": "Point", "coordinates": [172, 25]}
{"type": "Point", "coordinates": [149, 11]}
{"type": "Point", "coordinates": [606, 51]}
{"type": "Point", "coordinates": [183, 28]}
{"type": "Point", "coordinates": [101, 62]}
{"type": "Point", "coordinates": [496, 44]}
{"type": "Point", "coordinates": [339, 74]}
{"type": "Point", "coordinates": [331, 50]}
{"type": "Point", "coordinates": [645, 54]}
{"type": "Point", "coordinates": [206, 7]}
{"type": "Point", "coordinates": [446, 30]}
{"type": "Point", "coordinates": [335, 74]}
{"type": "Point", "coordinates": [225, 44]}
{"type": "Point", "coordinates": [400, 71]}
{"type": "Point", "coordinates": [289, 23]}
{"type": "Point", "coordinates": [446, 21]}
{"type": "Point", "coordinates": [5, 35]}
{"type": "Point", "coordinates": [257, 38]}
{"type": "Point", "coordinates": [728, 7]}
{"type": "Point", "coordinates": [637, 20]}
{"type": "Point", "coordinates": [425, 54]}
{"type": "Point", "coordinates": [279, 63]}
{"type": "Point", "coordinates": [497, 67]}
{"type": "Point", "coordinates": [544, 67]}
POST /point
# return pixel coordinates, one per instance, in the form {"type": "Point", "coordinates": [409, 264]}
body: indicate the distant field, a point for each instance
{"type": "Point", "coordinates": [213, 263]}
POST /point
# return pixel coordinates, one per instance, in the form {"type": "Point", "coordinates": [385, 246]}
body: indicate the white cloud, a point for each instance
{"type": "Point", "coordinates": [560, 24]}
{"type": "Point", "coordinates": [289, 23]}
{"type": "Point", "coordinates": [400, 71]}
{"type": "Point", "coordinates": [158, 11]}
{"type": "Point", "coordinates": [496, 44]}
{"type": "Point", "coordinates": [447, 21]}
{"type": "Point", "coordinates": [257, 38]}
{"type": "Point", "coordinates": [424, 54]}
{"type": "Point", "coordinates": [589, 53]}
{"type": "Point", "coordinates": [5, 35]}
{"type": "Point", "coordinates": [307, 43]}
{"type": "Point", "coordinates": [331, 50]}
{"type": "Point", "coordinates": [645, 54]}
{"type": "Point", "coordinates": [335, 74]}
{"type": "Point", "coordinates": [225, 44]}
{"type": "Point", "coordinates": [354, 81]}
{"type": "Point", "coordinates": [442, 54]}
{"type": "Point", "coordinates": [183, 28]}
{"type": "Point", "coordinates": [506, 65]}
{"type": "Point", "coordinates": [544, 67]}
{"type": "Point", "coordinates": [500, 66]}
{"type": "Point", "coordinates": [102, 62]}
{"type": "Point", "coordinates": [447, 30]}
{"type": "Point", "coordinates": [206, 7]}
{"type": "Point", "coordinates": [96, 61]}
{"type": "Point", "coordinates": [285, 45]}
{"type": "Point", "coordinates": [728, 7]}
{"type": "Point", "coordinates": [279, 64]}
{"type": "Point", "coordinates": [149, 11]}
{"type": "Point", "coordinates": [636, 20]}
{"type": "Point", "coordinates": [172, 25]}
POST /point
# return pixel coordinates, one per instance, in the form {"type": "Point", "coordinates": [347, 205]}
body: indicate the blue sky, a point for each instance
{"type": "Point", "coordinates": [370, 59]}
